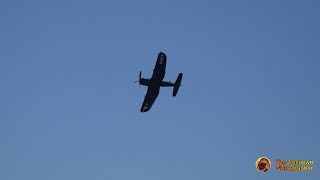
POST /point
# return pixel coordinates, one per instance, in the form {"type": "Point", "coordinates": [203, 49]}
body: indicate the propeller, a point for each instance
{"type": "Point", "coordinates": [139, 79]}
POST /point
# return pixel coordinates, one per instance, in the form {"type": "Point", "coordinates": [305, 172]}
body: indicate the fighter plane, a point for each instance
{"type": "Point", "coordinates": [156, 81]}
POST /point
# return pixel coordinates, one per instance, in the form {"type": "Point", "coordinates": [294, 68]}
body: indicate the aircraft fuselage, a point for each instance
{"type": "Point", "coordinates": [155, 82]}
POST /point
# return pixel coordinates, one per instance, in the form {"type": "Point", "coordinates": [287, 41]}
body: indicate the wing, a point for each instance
{"type": "Point", "coordinates": [150, 98]}
{"type": "Point", "coordinates": [147, 103]}
{"type": "Point", "coordinates": [160, 68]}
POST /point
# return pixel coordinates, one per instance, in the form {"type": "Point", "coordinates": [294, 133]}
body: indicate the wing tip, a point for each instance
{"type": "Point", "coordinates": [162, 53]}
{"type": "Point", "coordinates": [144, 110]}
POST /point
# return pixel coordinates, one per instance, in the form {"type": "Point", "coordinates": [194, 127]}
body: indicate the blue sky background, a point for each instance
{"type": "Point", "coordinates": [69, 108]}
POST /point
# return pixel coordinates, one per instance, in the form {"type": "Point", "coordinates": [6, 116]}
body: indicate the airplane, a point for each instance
{"type": "Point", "coordinates": [156, 81]}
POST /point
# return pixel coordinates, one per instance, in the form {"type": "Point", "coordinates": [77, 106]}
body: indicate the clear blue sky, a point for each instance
{"type": "Point", "coordinates": [69, 109]}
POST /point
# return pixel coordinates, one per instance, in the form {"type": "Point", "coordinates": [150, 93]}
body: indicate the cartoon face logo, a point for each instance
{"type": "Point", "coordinates": [263, 164]}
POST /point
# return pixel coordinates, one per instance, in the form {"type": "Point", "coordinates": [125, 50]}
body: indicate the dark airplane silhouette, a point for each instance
{"type": "Point", "coordinates": [156, 82]}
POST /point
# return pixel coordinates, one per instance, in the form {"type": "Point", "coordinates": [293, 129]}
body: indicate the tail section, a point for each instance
{"type": "Point", "coordinates": [177, 85]}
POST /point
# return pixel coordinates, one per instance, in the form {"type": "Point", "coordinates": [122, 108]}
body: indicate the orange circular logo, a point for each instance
{"type": "Point", "coordinates": [263, 164]}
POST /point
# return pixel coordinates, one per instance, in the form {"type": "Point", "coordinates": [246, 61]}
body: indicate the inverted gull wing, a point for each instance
{"type": "Point", "coordinates": [149, 99]}
{"type": "Point", "coordinates": [160, 67]}
{"type": "Point", "coordinates": [147, 103]}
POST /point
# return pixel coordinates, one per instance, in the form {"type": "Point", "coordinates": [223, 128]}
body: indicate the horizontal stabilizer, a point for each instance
{"type": "Point", "coordinates": [177, 85]}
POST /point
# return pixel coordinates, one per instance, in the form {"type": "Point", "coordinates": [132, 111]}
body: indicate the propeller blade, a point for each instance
{"type": "Point", "coordinates": [139, 79]}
